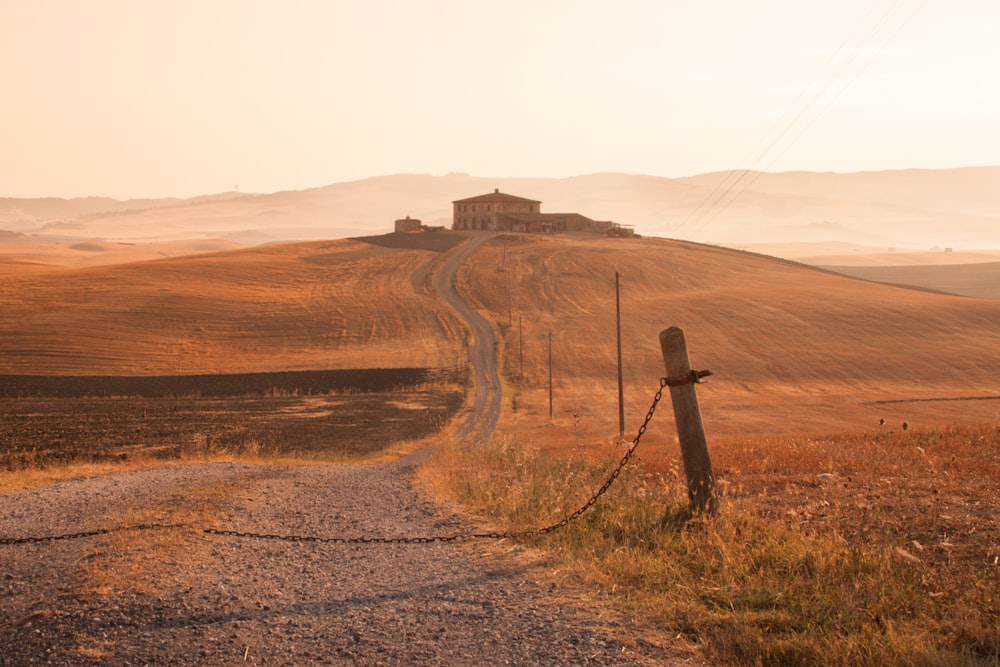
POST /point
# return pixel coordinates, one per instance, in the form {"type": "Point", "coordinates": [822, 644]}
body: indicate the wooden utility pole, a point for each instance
{"type": "Point", "coordinates": [621, 391]}
{"type": "Point", "coordinates": [509, 302]}
{"type": "Point", "coordinates": [694, 448]}
{"type": "Point", "coordinates": [520, 343]}
{"type": "Point", "coordinates": [550, 376]}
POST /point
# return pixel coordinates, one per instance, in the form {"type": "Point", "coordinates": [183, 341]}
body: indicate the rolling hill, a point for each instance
{"type": "Point", "coordinates": [307, 306]}
{"type": "Point", "coordinates": [978, 280]}
{"type": "Point", "coordinates": [794, 349]}
{"type": "Point", "coordinates": [907, 209]}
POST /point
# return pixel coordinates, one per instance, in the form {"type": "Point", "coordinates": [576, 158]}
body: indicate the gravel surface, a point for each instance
{"type": "Point", "coordinates": [180, 596]}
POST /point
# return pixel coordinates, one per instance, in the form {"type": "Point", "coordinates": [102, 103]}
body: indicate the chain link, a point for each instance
{"type": "Point", "coordinates": [90, 533]}
{"type": "Point", "coordinates": [495, 535]}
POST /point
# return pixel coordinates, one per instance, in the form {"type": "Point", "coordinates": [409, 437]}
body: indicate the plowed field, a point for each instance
{"type": "Point", "coordinates": [331, 415]}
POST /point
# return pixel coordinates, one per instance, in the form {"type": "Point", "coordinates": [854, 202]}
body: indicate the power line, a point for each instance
{"type": "Point", "coordinates": [709, 207]}
{"type": "Point", "coordinates": [724, 183]}
{"type": "Point", "coordinates": [830, 102]}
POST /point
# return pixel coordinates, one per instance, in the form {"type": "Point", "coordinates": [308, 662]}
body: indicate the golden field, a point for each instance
{"type": "Point", "coordinates": [307, 306]}
{"type": "Point", "coordinates": [793, 349]}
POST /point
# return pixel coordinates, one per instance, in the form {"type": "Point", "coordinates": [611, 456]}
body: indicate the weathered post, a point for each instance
{"type": "Point", "coordinates": [694, 448]}
{"type": "Point", "coordinates": [621, 391]}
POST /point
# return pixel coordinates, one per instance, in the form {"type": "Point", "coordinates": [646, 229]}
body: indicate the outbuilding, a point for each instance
{"type": "Point", "coordinates": [408, 224]}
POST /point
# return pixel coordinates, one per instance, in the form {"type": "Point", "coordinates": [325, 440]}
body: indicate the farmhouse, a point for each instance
{"type": "Point", "coordinates": [498, 211]}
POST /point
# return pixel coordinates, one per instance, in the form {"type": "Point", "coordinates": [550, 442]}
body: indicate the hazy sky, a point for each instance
{"type": "Point", "coordinates": [135, 98]}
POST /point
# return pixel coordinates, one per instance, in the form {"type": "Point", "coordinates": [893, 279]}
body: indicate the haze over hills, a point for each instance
{"type": "Point", "coordinates": [919, 209]}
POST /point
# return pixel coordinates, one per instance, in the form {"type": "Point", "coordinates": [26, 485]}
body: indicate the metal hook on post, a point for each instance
{"type": "Point", "coordinates": [694, 377]}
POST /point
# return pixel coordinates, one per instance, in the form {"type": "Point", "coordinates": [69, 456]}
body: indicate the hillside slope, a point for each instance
{"type": "Point", "coordinates": [307, 306]}
{"type": "Point", "coordinates": [793, 348]}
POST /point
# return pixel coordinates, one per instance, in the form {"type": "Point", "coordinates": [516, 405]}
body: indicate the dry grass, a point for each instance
{"type": "Point", "coordinates": [892, 560]}
{"type": "Point", "coordinates": [42, 470]}
{"type": "Point", "coordinates": [841, 541]}
{"type": "Point", "coordinates": [46, 472]}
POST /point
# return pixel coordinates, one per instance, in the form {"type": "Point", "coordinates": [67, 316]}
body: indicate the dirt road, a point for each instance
{"type": "Point", "coordinates": [486, 402]}
{"type": "Point", "coordinates": [180, 596]}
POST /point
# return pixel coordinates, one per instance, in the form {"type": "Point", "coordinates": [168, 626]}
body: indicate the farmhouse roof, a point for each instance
{"type": "Point", "coordinates": [495, 197]}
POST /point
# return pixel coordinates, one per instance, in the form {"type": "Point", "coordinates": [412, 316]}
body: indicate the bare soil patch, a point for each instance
{"type": "Point", "coordinates": [236, 384]}
{"type": "Point", "coordinates": [45, 431]}
{"type": "Point", "coordinates": [328, 414]}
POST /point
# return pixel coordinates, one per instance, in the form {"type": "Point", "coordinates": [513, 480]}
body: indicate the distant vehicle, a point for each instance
{"type": "Point", "coordinates": [620, 231]}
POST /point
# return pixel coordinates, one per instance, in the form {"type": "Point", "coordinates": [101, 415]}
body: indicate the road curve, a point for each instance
{"type": "Point", "coordinates": [482, 419]}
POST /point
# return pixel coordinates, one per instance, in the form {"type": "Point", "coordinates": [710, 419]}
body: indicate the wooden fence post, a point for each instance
{"type": "Point", "coordinates": [694, 448]}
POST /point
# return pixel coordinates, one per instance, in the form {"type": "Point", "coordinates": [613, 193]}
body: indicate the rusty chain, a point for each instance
{"type": "Point", "coordinates": [90, 533]}
{"type": "Point", "coordinates": [495, 535]}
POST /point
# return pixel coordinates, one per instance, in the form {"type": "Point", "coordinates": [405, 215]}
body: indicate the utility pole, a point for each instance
{"type": "Point", "coordinates": [510, 298]}
{"type": "Point", "coordinates": [520, 342]}
{"type": "Point", "coordinates": [621, 391]}
{"type": "Point", "coordinates": [550, 376]}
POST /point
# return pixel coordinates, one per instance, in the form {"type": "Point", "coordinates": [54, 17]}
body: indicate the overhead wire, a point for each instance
{"type": "Point", "coordinates": [757, 174]}
{"type": "Point", "coordinates": [724, 183]}
{"type": "Point", "coordinates": [709, 208]}
{"type": "Point", "coordinates": [847, 85]}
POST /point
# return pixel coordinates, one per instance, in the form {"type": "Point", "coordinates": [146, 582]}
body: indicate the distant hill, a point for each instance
{"type": "Point", "coordinates": [977, 280]}
{"type": "Point", "coordinates": [904, 208]}
{"type": "Point", "coordinates": [907, 209]}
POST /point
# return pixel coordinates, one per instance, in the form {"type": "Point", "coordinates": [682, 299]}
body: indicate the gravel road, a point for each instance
{"type": "Point", "coordinates": [182, 597]}
{"type": "Point", "coordinates": [485, 409]}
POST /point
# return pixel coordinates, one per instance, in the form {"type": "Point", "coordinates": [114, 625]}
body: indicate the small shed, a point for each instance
{"type": "Point", "coordinates": [408, 224]}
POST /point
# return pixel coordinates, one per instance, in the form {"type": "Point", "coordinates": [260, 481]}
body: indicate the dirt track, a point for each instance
{"type": "Point", "coordinates": [179, 596]}
{"type": "Point", "coordinates": [486, 402]}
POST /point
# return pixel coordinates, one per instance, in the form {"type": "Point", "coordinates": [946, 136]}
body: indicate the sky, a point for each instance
{"type": "Point", "coordinates": [151, 98]}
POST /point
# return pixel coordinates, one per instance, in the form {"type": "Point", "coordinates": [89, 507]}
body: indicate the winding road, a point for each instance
{"type": "Point", "coordinates": [482, 419]}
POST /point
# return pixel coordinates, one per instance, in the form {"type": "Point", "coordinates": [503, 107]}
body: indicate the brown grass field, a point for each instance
{"type": "Point", "coordinates": [794, 350]}
{"type": "Point", "coordinates": [854, 430]}
{"type": "Point", "coordinates": [814, 374]}
{"type": "Point", "coordinates": [311, 306]}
